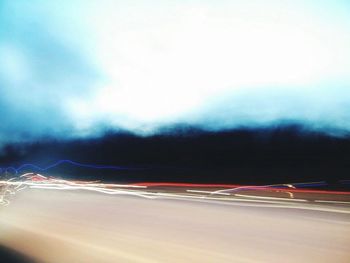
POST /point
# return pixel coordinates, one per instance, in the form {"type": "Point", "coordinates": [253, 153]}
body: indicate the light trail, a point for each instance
{"type": "Point", "coordinates": [38, 181]}
{"type": "Point", "coordinates": [205, 192]}
{"type": "Point", "coordinates": [292, 188]}
{"type": "Point", "coordinates": [171, 184]}
{"type": "Point", "coordinates": [37, 168]}
{"type": "Point", "coordinates": [273, 188]}
{"type": "Point", "coordinates": [287, 188]}
{"type": "Point", "coordinates": [331, 202]}
{"type": "Point", "coordinates": [271, 198]}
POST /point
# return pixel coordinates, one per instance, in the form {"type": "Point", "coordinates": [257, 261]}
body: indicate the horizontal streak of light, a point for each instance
{"type": "Point", "coordinates": [95, 189]}
{"type": "Point", "coordinates": [271, 198]}
{"type": "Point", "coordinates": [155, 184]}
{"type": "Point", "coordinates": [269, 204]}
{"type": "Point", "coordinates": [60, 162]}
{"type": "Point", "coordinates": [239, 202]}
{"type": "Point", "coordinates": [205, 192]}
{"type": "Point", "coordinates": [234, 187]}
{"type": "Point", "coordinates": [71, 185]}
{"type": "Point", "coordinates": [240, 187]}
{"type": "Point", "coordinates": [332, 202]}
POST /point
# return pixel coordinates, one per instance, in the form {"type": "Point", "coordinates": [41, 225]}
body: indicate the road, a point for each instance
{"type": "Point", "coordinates": [53, 225]}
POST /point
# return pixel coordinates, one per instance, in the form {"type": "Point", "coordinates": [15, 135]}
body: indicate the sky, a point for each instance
{"type": "Point", "coordinates": [75, 69]}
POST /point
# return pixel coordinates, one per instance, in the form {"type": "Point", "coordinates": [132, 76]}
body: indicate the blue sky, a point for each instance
{"type": "Point", "coordinates": [75, 68]}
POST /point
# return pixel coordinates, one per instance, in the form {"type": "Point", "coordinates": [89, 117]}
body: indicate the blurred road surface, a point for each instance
{"type": "Point", "coordinates": [80, 226]}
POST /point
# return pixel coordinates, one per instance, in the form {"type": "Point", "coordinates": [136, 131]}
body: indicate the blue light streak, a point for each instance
{"type": "Point", "coordinates": [38, 168]}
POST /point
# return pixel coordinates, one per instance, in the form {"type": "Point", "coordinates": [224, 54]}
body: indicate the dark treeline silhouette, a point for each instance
{"type": "Point", "coordinates": [186, 154]}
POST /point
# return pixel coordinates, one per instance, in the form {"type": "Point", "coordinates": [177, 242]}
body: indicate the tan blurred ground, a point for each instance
{"type": "Point", "coordinates": [77, 226]}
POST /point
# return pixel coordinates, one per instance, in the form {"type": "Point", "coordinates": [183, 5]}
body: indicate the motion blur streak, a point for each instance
{"type": "Point", "coordinates": [185, 184]}
{"type": "Point", "coordinates": [37, 168]}
{"type": "Point", "coordinates": [38, 181]}
{"type": "Point", "coordinates": [32, 180]}
{"type": "Point", "coordinates": [236, 187]}
{"type": "Point", "coordinates": [177, 226]}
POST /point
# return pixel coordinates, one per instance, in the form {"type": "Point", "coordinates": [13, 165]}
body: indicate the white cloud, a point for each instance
{"type": "Point", "coordinates": [163, 61]}
{"type": "Point", "coordinates": [139, 65]}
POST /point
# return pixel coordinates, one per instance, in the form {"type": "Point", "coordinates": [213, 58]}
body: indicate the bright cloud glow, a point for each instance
{"type": "Point", "coordinates": [166, 62]}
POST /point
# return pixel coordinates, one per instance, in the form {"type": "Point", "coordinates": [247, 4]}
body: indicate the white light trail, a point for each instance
{"type": "Point", "coordinates": [37, 181]}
